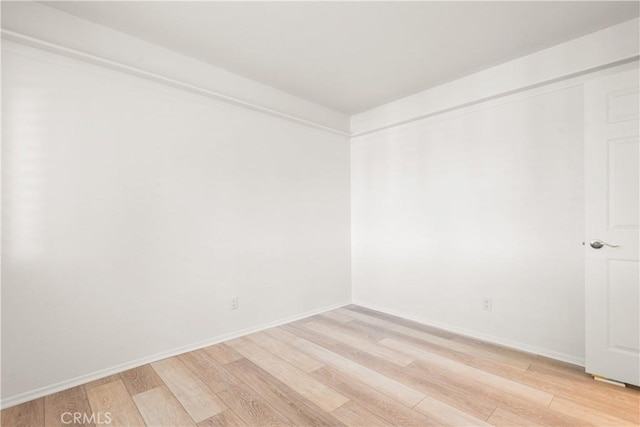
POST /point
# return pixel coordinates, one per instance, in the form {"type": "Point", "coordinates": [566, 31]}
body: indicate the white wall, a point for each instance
{"type": "Point", "coordinates": [132, 212]}
{"type": "Point", "coordinates": [474, 189]}
{"type": "Point", "coordinates": [482, 202]}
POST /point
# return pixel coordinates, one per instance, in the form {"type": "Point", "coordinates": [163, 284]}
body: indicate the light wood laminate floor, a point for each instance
{"type": "Point", "coordinates": [350, 366]}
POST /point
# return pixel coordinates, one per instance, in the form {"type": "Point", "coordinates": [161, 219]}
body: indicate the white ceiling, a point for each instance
{"type": "Point", "coordinates": [353, 56]}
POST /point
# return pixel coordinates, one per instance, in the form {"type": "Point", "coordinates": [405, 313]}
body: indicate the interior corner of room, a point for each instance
{"type": "Point", "coordinates": [154, 203]}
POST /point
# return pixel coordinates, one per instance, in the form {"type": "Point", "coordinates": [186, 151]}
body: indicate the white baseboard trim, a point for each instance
{"type": "Point", "coordinates": [83, 379]}
{"type": "Point", "coordinates": [480, 336]}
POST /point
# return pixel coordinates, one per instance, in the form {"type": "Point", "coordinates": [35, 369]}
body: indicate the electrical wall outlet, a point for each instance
{"type": "Point", "coordinates": [234, 303]}
{"type": "Point", "coordinates": [487, 305]}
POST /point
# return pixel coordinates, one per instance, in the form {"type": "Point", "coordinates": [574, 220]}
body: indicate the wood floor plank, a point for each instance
{"type": "Point", "coordinates": [250, 408]}
{"type": "Point", "coordinates": [629, 412]}
{"type": "Point", "coordinates": [533, 359]}
{"type": "Point", "coordinates": [401, 321]}
{"type": "Point", "coordinates": [379, 404]}
{"type": "Point", "coordinates": [198, 400]}
{"type": "Point", "coordinates": [552, 385]}
{"type": "Point", "coordinates": [159, 407]}
{"type": "Point", "coordinates": [429, 381]}
{"type": "Point", "coordinates": [365, 359]}
{"type": "Point", "coordinates": [113, 398]}
{"type": "Point", "coordinates": [70, 401]}
{"type": "Point", "coordinates": [353, 339]}
{"type": "Point", "coordinates": [458, 391]}
{"type": "Point", "coordinates": [214, 375]}
{"type": "Point", "coordinates": [286, 352]}
{"type": "Point", "coordinates": [308, 387]}
{"type": "Point", "coordinates": [474, 391]}
{"type": "Point", "coordinates": [102, 381]}
{"type": "Point", "coordinates": [444, 342]}
{"type": "Point", "coordinates": [283, 398]}
{"type": "Point", "coordinates": [503, 418]}
{"type": "Point", "coordinates": [447, 415]}
{"type": "Point", "coordinates": [222, 353]}
{"type": "Point", "coordinates": [588, 415]}
{"type": "Point", "coordinates": [497, 349]}
{"type": "Point", "coordinates": [354, 414]}
{"type": "Point", "coordinates": [281, 334]}
{"type": "Point", "coordinates": [355, 354]}
{"type": "Point", "coordinates": [589, 393]}
{"type": "Point", "coordinates": [226, 418]}
{"type": "Point", "coordinates": [351, 366]}
{"type": "Point", "coordinates": [583, 380]}
{"type": "Point", "coordinates": [391, 387]}
{"type": "Point", "coordinates": [373, 318]}
{"type": "Point", "coordinates": [381, 367]}
{"type": "Point", "coordinates": [29, 414]}
{"type": "Point", "coordinates": [453, 390]}
{"type": "Point", "coordinates": [557, 365]}
{"type": "Point", "coordinates": [141, 379]}
{"type": "Point", "coordinates": [506, 385]}
{"type": "Point", "coordinates": [568, 374]}
{"type": "Point", "coordinates": [337, 316]}
{"type": "Point", "coordinates": [364, 327]}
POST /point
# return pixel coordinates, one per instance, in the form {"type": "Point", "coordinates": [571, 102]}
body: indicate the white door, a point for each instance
{"type": "Point", "coordinates": [612, 196]}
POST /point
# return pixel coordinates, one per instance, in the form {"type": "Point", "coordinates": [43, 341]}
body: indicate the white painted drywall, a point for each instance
{"type": "Point", "coordinates": [482, 202]}
{"type": "Point", "coordinates": [132, 212]}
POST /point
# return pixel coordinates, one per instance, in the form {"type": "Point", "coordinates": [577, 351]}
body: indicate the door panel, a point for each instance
{"type": "Point", "coordinates": [612, 197]}
{"type": "Point", "coordinates": [623, 182]}
{"type": "Point", "coordinates": [624, 329]}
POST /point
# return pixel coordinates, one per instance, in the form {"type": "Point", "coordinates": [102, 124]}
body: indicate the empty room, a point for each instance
{"type": "Point", "coordinates": [320, 213]}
